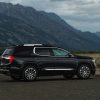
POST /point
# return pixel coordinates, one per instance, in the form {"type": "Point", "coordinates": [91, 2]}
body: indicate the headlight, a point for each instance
{"type": "Point", "coordinates": [94, 61]}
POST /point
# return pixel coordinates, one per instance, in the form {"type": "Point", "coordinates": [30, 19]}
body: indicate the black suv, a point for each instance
{"type": "Point", "coordinates": [30, 61]}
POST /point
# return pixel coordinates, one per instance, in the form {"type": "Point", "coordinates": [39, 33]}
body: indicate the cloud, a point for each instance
{"type": "Point", "coordinates": [85, 25]}
{"type": "Point", "coordinates": [83, 14]}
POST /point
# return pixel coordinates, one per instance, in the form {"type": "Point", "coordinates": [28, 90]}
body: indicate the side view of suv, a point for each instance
{"type": "Point", "coordinates": [30, 61]}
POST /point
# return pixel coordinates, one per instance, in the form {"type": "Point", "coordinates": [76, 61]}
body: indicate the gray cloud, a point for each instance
{"type": "Point", "coordinates": [58, 0]}
{"type": "Point", "coordinates": [85, 25]}
{"type": "Point", "coordinates": [83, 14]}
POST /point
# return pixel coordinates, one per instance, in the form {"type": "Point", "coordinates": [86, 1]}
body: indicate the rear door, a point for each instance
{"type": "Point", "coordinates": [43, 58]}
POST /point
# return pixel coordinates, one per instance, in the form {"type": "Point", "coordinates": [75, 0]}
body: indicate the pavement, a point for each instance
{"type": "Point", "coordinates": [98, 71]}
{"type": "Point", "coordinates": [50, 88]}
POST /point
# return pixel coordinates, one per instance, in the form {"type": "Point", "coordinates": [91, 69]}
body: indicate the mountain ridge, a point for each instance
{"type": "Point", "coordinates": [29, 25]}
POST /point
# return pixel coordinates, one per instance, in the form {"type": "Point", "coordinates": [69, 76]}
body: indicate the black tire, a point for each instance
{"type": "Point", "coordinates": [68, 76]}
{"type": "Point", "coordinates": [29, 73]}
{"type": "Point", "coordinates": [84, 72]}
{"type": "Point", "coordinates": [17, 78]}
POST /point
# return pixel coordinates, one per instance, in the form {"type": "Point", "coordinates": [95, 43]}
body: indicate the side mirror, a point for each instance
{"type": "Point", "coordinates": [70, 55]}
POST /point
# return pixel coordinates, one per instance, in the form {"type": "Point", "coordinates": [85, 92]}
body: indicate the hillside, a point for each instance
{"type": "Point", "coordinates": [98, 34]}
{"type": "Point", "coordinates": [19, 24]}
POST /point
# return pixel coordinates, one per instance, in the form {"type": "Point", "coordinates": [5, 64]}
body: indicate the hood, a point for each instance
{"type": "Point", "coordinates": [83, 57]}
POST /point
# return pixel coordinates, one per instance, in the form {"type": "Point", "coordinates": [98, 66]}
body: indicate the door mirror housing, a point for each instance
{"type": "Point", "coordinates": [70, 55]}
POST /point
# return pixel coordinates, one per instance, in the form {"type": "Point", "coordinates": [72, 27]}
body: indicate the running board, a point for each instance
{"type": "Point", "coordinates": [62, 69]}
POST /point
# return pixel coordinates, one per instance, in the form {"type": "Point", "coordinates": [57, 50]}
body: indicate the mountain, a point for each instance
{"type": "Point", "coordinates": [98, 34]}
{"type": "Point", "coordinates": [20, 24]}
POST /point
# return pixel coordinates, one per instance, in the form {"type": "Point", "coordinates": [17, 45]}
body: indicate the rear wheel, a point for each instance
{"type": "Point", "coordinates": [84, 72]}
{"type": "Point", "coordinates": [68, 76]}
{"type": "Point", "coordinates": [29, 73]}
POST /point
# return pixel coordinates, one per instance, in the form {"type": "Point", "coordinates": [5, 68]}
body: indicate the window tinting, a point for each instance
{"type": "Point", "coordinates": [60, 52]}
{"type": "Point", "coordinates": [24, 51]}
{"type": "Point", "coordinates": [43, 51]}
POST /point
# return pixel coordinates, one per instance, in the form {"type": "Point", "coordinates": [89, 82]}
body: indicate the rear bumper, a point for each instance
{"type": "Point", "coordinates": [8, 70]}
{"type": "Point", "coordinates": [4, 71]}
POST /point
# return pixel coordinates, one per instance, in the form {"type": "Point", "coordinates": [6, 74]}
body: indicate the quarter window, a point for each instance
{"type": "Point", "coordinates": [23, 51]}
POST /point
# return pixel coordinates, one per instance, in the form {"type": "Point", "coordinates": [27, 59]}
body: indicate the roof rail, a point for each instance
{"type": "Point", "coordinates": [32, 45]}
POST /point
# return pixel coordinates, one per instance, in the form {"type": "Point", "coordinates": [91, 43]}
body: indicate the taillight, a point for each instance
{"type": "Point", "coordinates": [9, 58]}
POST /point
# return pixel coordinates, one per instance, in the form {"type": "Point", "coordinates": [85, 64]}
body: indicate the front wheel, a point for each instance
{"type": "Point", "coordinates": [84, 72]}
{"type": "Point", "coordinates": [29, 73]}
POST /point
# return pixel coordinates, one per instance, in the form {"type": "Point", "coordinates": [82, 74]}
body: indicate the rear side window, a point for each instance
{"type": "Point", "coordinates": [43, 51]}
{"type": "Point", "coordinates": [8, 52]}
{"type": "Point", "coordinates": [23, 51]}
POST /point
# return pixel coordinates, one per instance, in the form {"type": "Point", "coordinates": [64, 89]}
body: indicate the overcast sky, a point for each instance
{"type": "Point", "coordinates": [82, 14]}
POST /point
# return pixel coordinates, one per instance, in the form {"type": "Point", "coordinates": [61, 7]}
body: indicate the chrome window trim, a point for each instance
{"type": "Point", "coordinates": [32, 45]}
{"type": "Point", "coordinates": [34, 51]}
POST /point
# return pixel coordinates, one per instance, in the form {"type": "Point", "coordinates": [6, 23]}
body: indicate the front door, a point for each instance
{"type": "Point", "coordinates": [63, 60]}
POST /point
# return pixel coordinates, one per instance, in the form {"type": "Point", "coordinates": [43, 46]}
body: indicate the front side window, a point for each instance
{"type": "Point", "coordinates": [42, 51]}
{"type": "Point", "coordinates": [60, 52]}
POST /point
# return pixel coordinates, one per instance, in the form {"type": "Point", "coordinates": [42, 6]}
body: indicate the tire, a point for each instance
{"type": "Point", "coordinates": [17, 78]}
{"type": "Point", "coordinates": [29, 73]}
{"type": "Point", "coordinates": [84, 72]}
{"type": "Point", "coordinates": [68, 76]}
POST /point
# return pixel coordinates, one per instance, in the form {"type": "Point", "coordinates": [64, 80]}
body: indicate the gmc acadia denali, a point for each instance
{"type": "Point", "coordinates": [29, 61]}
